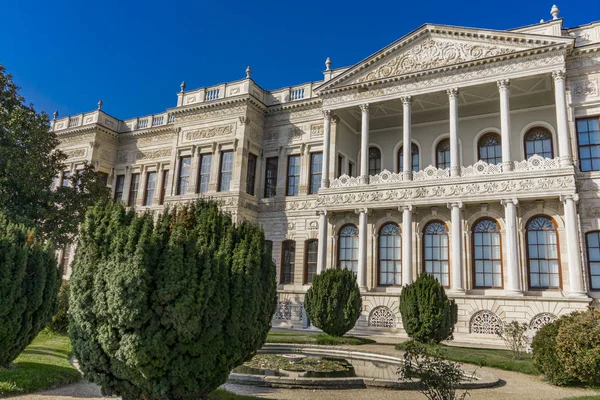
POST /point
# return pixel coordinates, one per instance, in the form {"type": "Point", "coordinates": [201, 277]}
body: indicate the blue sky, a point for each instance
{"type": "Point", "coordinates": [66, 55]}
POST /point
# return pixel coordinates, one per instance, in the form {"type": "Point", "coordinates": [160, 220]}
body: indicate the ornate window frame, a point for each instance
{"type": "Point", "coordinates": [479, 147]}
{"type": "Point", "coordinates": [399, 235]}
{"type": "Point", "coordinates": [532, 125]}
{"type": "Point", "coordinates": [558, 258]}
{"type": "Point", "coordinates": [423, 248]}
{"type": "Point", "coordinates": [339, 244]}
{"type": "Point", "coordinates": [473, 253]}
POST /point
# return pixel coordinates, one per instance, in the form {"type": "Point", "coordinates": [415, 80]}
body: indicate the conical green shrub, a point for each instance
{"type": "Point", "coordinates": [165, 309]}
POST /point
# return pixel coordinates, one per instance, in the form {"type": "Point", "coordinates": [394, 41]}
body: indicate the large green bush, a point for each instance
{"type": "Point", "coordinates": [545, 357]}
{"type": "Point", "coordinates": [333, 302]}
{"type": "Point", "coordinates": [165, 309]}
{"type": "Point", "coordinates": [29, 282]}
{"type": "Point", "coordinates": [427, 313]}
{"type": "Point", "coordinates": [60, 320]}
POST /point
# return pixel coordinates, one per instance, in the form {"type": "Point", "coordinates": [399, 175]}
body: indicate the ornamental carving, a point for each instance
{"type": "Point", "coordinates": [431, 172]}
{"type": "Point", "coordinates": [584, 89]}
{"type": "Point", "coordinates": [316, 130]}
{"type": "Point", "coordinates": [540, 320]}
{"type": "Point", "coordinates": [313, 225]}
{"type": "Point", "coordinates": [75, 153]}
{"type": "Point", "coordinates": [431, 53]}
{"type": "Point", "coordinates": [201, 114]}
{"type": "Point", "coordinates": [155, 138]}
{"type": "Point", "coordinates": [210, 132]}
{"type": "Point", "coordinates": [344, 181]}
{"type": "Point", "coordinates": [385, 176]}
{"type": "Point", "coordinates": [485, 323]}
{"type": "Point", "coordinates": [151, 154]}
{"type": "Point", "coordinates": [481, 168]}
{"type": "Point", "coordinates": [122, 157]}
{"type": "Point", "coordinates": [295, 133]}
{"type": "Point", "coordinates": [284, 310]}
{"type": "Point", "coordinates": [536, 162]}
{"type": "Point", "coordinates": [382, 317]}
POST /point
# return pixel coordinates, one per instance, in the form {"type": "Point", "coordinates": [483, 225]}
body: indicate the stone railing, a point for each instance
{"type": "Point", "coordinates": [149, 121]}
{"type": "Point", "coordinates": [481, 168]}
{"type": "Point", "coordinates": [431, 172]}
{"type": "Point", "coordinates": [84, 119]}
{"type": "Point", "coordinates": [345, 181]}
{"type": "Point", "coordinates": [536, 163]}
{"type": "Point", "coordinates": [294, 93]}
{"type": "Point", "coordinates": [385, 176]}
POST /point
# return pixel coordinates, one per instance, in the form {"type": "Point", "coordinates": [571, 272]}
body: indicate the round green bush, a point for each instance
{"type": "Point", "coordinates": [545, 356]}
{"type": "Point", "coordinates": [427, 313]}
{"type": "Point", "coordinates": [60, 320]}
{"type": "Point", "coordinates": [29, 282]}
{"type": "Point", "coordinates": [166, 309]}
{"type": "Point", "coordinates": [333, 302]}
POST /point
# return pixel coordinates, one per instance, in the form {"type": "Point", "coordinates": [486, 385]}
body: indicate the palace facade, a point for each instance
{"type": "Point", "coordinates": [472, 154]}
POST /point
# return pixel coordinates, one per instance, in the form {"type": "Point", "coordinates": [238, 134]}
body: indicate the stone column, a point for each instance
{"type": "Point", "coordinates": [503, 87]}
{"type": "Point", "coordinates": [326, 150]}
{"type": "Point", "coordinates": [456, 253]}
{"type": "Point", "coordinates": [361, 273]}
{"type": "Point", "coordinates": [194, 170]}
{"type": "Point", "coordinates": [573, 249]}
{"type": "Point", "coordinates": [564, 143]}
{"type": "Point", "coordinates": [159, 182]}
{"type": "Point", "coordinates": [364, 145]}
{"type": "Point", "coordinates": [322, 244]}
{"type": "Point", "coordinates": [406, 138]}
{"type": "Point", "coordinates": [454, 151]}
{"type": "Point", "coordinates": [141, 192]}
{"type": "Point", "coordinates": [512, 286]}
{"type": "Point", "coordinates": [407, 236]}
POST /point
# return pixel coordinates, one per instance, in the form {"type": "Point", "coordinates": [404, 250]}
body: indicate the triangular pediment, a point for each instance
{"type": "Point", "coordinates": [433, 47]}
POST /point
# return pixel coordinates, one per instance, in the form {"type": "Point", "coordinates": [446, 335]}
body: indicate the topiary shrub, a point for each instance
{"type": "Point", "coordinates": [60, 320]}
{"type": "Point", "coordinates": [166, 310]}
{"type": "Point", "coordinates": [29, 281]}
{"type": "Point", "coordinates": [333, 302]}
{"type": "Point", "coordinates": [545, 357]}
{"type": "Point", "coordinates": [427, 313]}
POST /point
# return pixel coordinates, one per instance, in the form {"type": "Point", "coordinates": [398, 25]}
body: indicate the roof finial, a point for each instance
{"type": "Point", "coordinates": [182, 86]}
{"type": "Point", "coordinates": [248, 72]}
{"type": "Point", "coordinates": [55, 114]}
{"type": "Point", "coordinates": [328, 64]}
{"type": "Point", "coordinates": [100, 104]}
{"type": "Point", "coordinates": [554, 12]}
{"type": "Point", "coordinates": [542, 21]}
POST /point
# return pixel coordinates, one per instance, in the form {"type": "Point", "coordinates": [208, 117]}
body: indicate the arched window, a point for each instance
{"type": "Point", "coordinates": [542, 253]}
{"type": "Point", "coordinates": [288, 257]}
{"type": "Point", "coordinates": [490, 148]}
{"type": "Point", "coordinates": [312, 251]}
{"type": "Point", "coordinates": [435, 251]}
{"type": "Point", "coordinates": [348, 248]}
{"type": "Point", "coordinates": [593, 252]}
{"type": "Point", "coordinates": [414, 154]}
{"type": "Point", "coordinates": [374, 161]}
{"type": "Point", "coordinates": [538, 141]}
{"type": "Point", "coordinates": [442, 154]}
{"type": "Point", "coordinates": [487, 254]}
{"type": "Point", "coordinates": [390, 264]}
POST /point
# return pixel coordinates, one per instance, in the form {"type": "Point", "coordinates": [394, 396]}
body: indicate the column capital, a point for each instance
{"type": "Point", "coordinates": [559, 75]}
{"type": "Point", "coordinates": [362, 210]}
{"type": "Point", "coordinates": [458, 204]}
{"type": "Point", "coordinates": [505, 202]}
{"type": "Point", "coordinates": [244, 120]}
{"type": "Point", "coordinates": [452, 92]}
{"type": "Point", "coordinates": [564, 197]}
{"type": "Point", "coordinates": [503, 83]}
{"type": "Point", "coordinates": [321, 212]}
{"type": "Point", "coordinates": [364, 107]}
{"type": "Point", "coordinates": [327, 114]}
{"type": "Point", "coordinates": [335, 119]}
{"type": "Point", "coordinates": [406, 100]}
{"type": "Point", "coordinates": [407, 207]}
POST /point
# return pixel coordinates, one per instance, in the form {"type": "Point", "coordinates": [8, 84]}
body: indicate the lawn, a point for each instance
{"type": "Point", "coordinates": [43, 364]}
{"type": "Point", "coordinates": [313, 338]}
{"type": "Point", "coordinates": [501, 359]}
{"type": "Point", "coordinates": [221, 394]}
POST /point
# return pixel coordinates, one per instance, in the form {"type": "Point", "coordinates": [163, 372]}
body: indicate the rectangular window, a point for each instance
{"type": "Point", "coordinates": [312, 251]}
{"type": "Point", "coordinates": [593, 248]}
{"type": "Point", "coordinates": [251, 174]}
{"type": "Point", "coordinates": [288, 261]}
{"type": "Point", "coordinates": [588, 139]}
{"type": "Point", "coordinates": [350, 168]}
{"type": "Point", "coordinates": [103, 178]}
{"type": "Point", "coordinates": [204, 174]}
{"type": "Point", "coordinates": [316, 172]}
{"type": "Point", "coordinates": [185, 165]}
{"type": "Point", "coordinates": [150, 187]}
{"type": "Point", "coordinates": [133, 189]}
{"type": "Point", "coordinates": [293, 175]}
{"type": "Point", "coordinates": [340, 165]}
{"type": "Point", "coordinates": [225, 171]}
{"type": "Point", "coordinates": [119, 185]}
{"type": "Point", "coordinates": [163, 190]}
{"type": "Point", "coordinates": [271, 177]}
{"type": "Point", "coordinates": [66, 179]}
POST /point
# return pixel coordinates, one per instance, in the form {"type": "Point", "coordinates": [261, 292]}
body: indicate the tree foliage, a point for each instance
{"type": "Point", "coordinates": [60, 320]}
{"type": "Point", "coordinates": [29, 163]}
{"type": "Point", "coordinates": [333, 302]}
{"type": "Point", "coordinates": [29, 281]}
{"type": "Point", "coordinates": [427, 313]}
{"type": "Point", "coordinates": [165, 309]}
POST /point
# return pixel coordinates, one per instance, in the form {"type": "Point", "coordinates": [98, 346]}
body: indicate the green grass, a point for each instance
{"type": "Point", "coordinates": [314, 338]}
{"type": "Point", "coordinates": [501, 359]}
{"type": "Point", "coordinates": [43, 364]}
{"type": "Point", "coordinates": [221, 394]}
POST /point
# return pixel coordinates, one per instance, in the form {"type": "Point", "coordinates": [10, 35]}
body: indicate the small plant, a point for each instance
{"type": "Point", "coordinates": [439, 378]}
{"type": "Point", "coordinates": [333, 303]}
{"type": "Point", "coordinates": [514, 337]}
{"type": "Point", "coordinates": [427, 313]}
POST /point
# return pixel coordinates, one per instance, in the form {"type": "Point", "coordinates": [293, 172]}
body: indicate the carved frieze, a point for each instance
{"type": "Point", "coordinates": [316, 130]}
{"type": "Point", "coordinates": [295, 133]}
{"type": "Point", "coordinates": [155, 138]}
{"type": "Point", "coordinates": [152, 154]}
{"type": "Point", "coordinates": [211, 132]}
{"type": "Point", "coordinates": [122, 157]}
{"type": "Point", "coordinates": [582, 89]}
{"type": "Point", "coordinates": [74, 153]}
{"type": "Point", "coordinates": [204, 114]}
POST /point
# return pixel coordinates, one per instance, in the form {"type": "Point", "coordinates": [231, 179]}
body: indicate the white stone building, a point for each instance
{"type": "Point", "coordinates": [497, 194]}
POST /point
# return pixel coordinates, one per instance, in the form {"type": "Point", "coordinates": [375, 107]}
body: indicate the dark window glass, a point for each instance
{"type": "Point", "coordinates": [487, 254]}
{"type": "Point", "coordinates": [119, 187]}
{"type": "Point", "coordinates": [103, 178]}
{"type": "Point", "coordinates": [350, 169]}
{"type": "Point", "coordinates": [538, 141]}
{"type": "Point", "coordinates": [435, 251]}
{"type": "Point", "coordinates": [163, 190]}
{"type": "Point", "coordinates": [414, 153]}
{"type": "Point", "coordinates": [348, 248]}
{"type": "Point", "coordinates": [316, 171]}
{"type": "Point", "coordinates": [288, 261]}
{"type": "Point", "coordinates": [185, 165]}
{"type": "Point", "coordinates": [340, 165]}
{"type": "Point", "coordinates": [133, 189]}
{"type": "Point", "coordinates": [593, 250]}
{"type": "Point", "coordinates": [588, 138]}
{"type": "Point", "coordinates": [150, 187]}
{"type": "Point", "coordinates": [293, 175]}
{"type": "Point", "coordinates": [442, 154]}
{"type": "Point", "coordinates": [312, 251]}
{"type": "Point", "coordinates": [251, 174]}
{"type": "Point", "coordinates": [226, 171]}
{"type": "Point", "coordinates": [204, 173]}
{"type": "Point", "coordinates": [269, 248]}
{"type": "Point", "coordinates": [390, 262]}
{"type": "Point", "coordinates": [374, 161]}
{"type": "Point", "coordinates": [490, 148]}
{"type": "Point", "coordinates": [542, 253]}
{"type": "Point", "coordinates": [66, 179]}
{"type": "Point", "coordinates": [271, 177]}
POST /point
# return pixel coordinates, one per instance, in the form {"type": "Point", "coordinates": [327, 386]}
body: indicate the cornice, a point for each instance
{"type": "Point", "coordinates": [295, 105]}
{"type": "Point", "coordinates": [82, 130]}
{"type": "Point", "coordinates": [148, 132]}
{"type": "Point", "coordinates": [223, 103]}
{"type": "Point", "coordinates": [584, 50]}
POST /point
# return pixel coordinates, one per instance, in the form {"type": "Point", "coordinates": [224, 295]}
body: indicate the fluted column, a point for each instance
{"type": "Point", "coordinates": [503, 87]}
{"type": "Point", "coordinates": [564, 145]}
{"type": "Point", "coordinates": [456, 253]}
{"type": "Point", "coordinates": [326, 150]}
{"type": "Point", "coordinates": [364, 144]}
{"type": "Point", "coordinates": [573, 249]}
{"type": "Point", "coordinates": [361, 273]}
{"type": "Point", "coordinates": [454, 147]}
{"type": "Point", "coordinates": [406, 138]}
{"type": "Point", "coordinates": [512, 285]}
{"type": "Point", "coordinates": [407, 236]}
{"type": "Point", "coordinates": [322, 244]}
